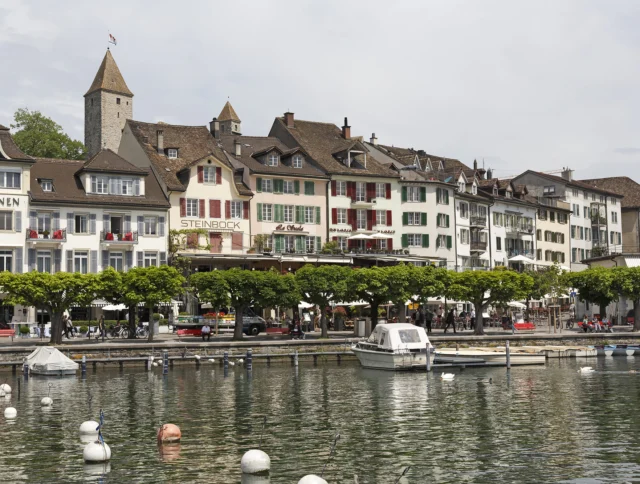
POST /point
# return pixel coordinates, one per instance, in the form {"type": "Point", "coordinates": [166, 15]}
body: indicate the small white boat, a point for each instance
{"type": "Point", "coordinates": [395, 346]}
{"type": "Point", "coordinates": [490, 355]}
{"type": "Point", "coordinates": [49, 361]}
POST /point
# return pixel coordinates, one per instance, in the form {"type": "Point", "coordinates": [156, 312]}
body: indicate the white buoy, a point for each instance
{"type": "Point", "coordinates": [46, 402]}
{"type": "Point", "coordinates": [312, 479]}
{"type": "Point", "coordinates": [10, 412]}
{"type": "Point", "coordinates": [155, 363]}
{"type": "Point", "coordinates": [255, 461]}
{"type": "Point", "coordinates": [96, 452]}
{"type": "Point", "coordinates": [240, 361]}
{"type": "Point", "coordinates": [90, 427]}
{"type": "Point", "coordinates": [5, 388]}
{"type": "Point", "coordinates": [197, 357]}
{"type": "Point", "coordinates": [447, 376]}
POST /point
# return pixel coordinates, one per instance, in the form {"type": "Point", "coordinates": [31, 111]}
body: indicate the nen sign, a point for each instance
{"type": "Point", "coordinates": [209, 224]}
{"type": "Point", "coordinates": [9, 202]}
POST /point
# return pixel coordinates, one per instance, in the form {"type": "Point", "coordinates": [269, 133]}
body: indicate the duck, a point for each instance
{"type": "Point", "coordinates": [155, 363]}
{"type": "Point", "coordinates": [447, 376]}
{"type": "Point", "coordinates": [240, 361]}
{"type": "Point", "coordinates": [586, 369]}
{"type": "Point", "coordinates": [211, 360]}
{"type": "Point", "coordinates": [231, 363]}
{"type": "Point", "coordinates": [633, 371]}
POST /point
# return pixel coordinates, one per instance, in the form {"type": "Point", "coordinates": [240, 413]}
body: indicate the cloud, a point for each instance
{"type": "Point", "coordinates": [627, 151]}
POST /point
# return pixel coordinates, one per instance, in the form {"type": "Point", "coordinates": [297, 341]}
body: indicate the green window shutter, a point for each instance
{"type": "Point", "coordinates": [446, 197]}
{"type": "Point", "coordinates": [258, 184]}
{"type": "Point", "coordinates": [423, 218]}
{"type": "Point", "coordinates": [423, 194]}
{"type": "Point", "coordinates": [277, 185]}
{"type": "Point", "coordinates": [438, 220]}
{"type": "Point", "coordinates": [309, 188]}
{"type": "Point", "coordinates": [299, 214]}
{"type": "Point", "coordinates": [278, 213]}
{"type": "Point", "coordinates": [438, 192]}
{"type": "Point", "coordinates": [300, 245]}
{"type": "Point", "coordinates": [318, 244]}
{"type": "Point", "coordinates": [447, 221]}
{"type": "Point", "coordinates": [259, 208]}
{"type": "Point", "coordinates": [296, 187]}
{"type": "Point", "coordinates": [318, 215]}
{"type": "Point", "coordinates": [279, 243]}
{"type": "Point", "coordinates": [448, 241]}
{"type": "Point", "coordinates": [404, 194]}
{"type": "Point", "coordinates": [425, 240]}
{"type": "Point", "coordinates": [405, 218]}
{"type": "Point", "coordinates": [405, 241]}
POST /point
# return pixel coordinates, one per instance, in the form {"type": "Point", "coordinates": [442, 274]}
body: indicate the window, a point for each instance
{"type": "Point", "coordinates": [267, 185]}
{"type": "Point", "coordinates": [464, 210]}
{"type": "Point", "coordinates": [576, 209]}
{"type": "Point", "coordinates": [414, 218]}
{"type": "Point", "coordinates": [585, 211]}
{"type": "Point", "coordinates": [602, 198]}
{"type": "Point", "coordinates": [464, 236]}
{"type": "Point", "coordinates": [381, 190]}
{"type": "Point", "coordinates": [361, 219]}
{"type": "Point", "coordinates": [288, 213]}
{"type": "Point", "coordinates": [236, 209]}
{"type": "Point", "coordinates": [116, 260]}
{"type": "Point", "coordinates": [309, 188]}
{"type": "Point", "coordinates": [117, 100]}
{"type": "Point", "coordinates": [6, 220]}
{"type": "Point", "coordinates": [127, 186]}
{"type": "Point", "coordinates": [442, 196]}
{"type": "Point", "coordinates": [297, 161]}
{"type": "Point", "coordinates": [43, 261]}
{"type": "Point", "coordinates": [341, 188]}
{"type": "Point", "coordinates": [413, 194]}
{"type": "Point", "coordinates": [81, 224]}
{"type": "Point", "coordinates": [461, 186]}
{"type": "Point", "coordinates": [267, 212]}
{"type": "Point", "coordinates": [593, 197]}
{"type": "Point", "coordinates": [342, 242]}
{"type": "Point", "coordinates": [443, 242]}
{"type": "Point", "coordinates": [361, 192]}
{"type": "Point", "coordinates": [9, 179]}
{"type": "Point", "coordinates": [381, 217]}
{"type": "Point", "coordinates": [562, 218]}
{"type": "Point", "coordinates": [474, 189]}
{"type": "Point", "coordinates": [414, 240]}
{"type": "Point", "coordinates": [46, 185]}
{"type": "Point", "coordinates": [614, 217]}
{"type": "Point", "coordinates": [342, 215]}
{"type": "Point", "coordinates": [209, 174]}
{"type": "Point", "coordinates": [150, 259]}
{"type": "Point", "coordinates": [289, 243]}
{"type": "Point", "coordinates": [507, 194]}
{"type": "Point", "coordinates": [498, 243]}
{"type": "Point", "coordinates": [150, 225]}
{"type": "Point", "coordinates": [498, 219]}
{"type": "Point", "coordinates": [614, 201]}
{"type": "Point", "coordinates": [311, 244]}
{"type": "Point", "coordinates": [575, 192]}
{"type": "Point", "coordinates": [538, 234]}
{"type": "Point", "coordinates": [81, 261]}
{"type": "Point", "coordinates": [44, 222]}
{"type": "Point", "coordinates": [272, 160]}
{"type": "Point", "coordinates": [574, 255]}
{"type": "Point", "coordinates": [442, 220]}
{"type": "Point", "coordinates": [99, 184]}
{"type": "Point", "coordinates": [309, 214]}
{"type": "Point", "coordinates": [6, 260]}
{"type": "Point", "coordinates": [287, 186]}
{"type": "Point", "coordinates": [192, 207]}
{"type": "Point", "coordinates": [549, 190]}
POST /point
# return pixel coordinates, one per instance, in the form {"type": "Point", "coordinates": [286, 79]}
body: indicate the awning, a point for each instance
{"type": "Point", "coordinates": [521, 258]}
{"type": "Point", "coordinates": [173, 302]}
{"type": "Point", "coordinates": [632, 261]}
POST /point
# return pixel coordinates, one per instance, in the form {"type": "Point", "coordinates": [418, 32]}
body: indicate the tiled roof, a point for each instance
{"type": "Point", "coordinates": [192, 142]}
{"type": "Point", "coordinates": [621, 185]}
{"type": "Point", "coordinates": [109, 78]}
{"type": "Point", "coordinates": [106, 161]}
{"type": "Point", "coordinates": [572, 183]}
{"type": "Point", "coordinates": [228, 113]}
{"type": "Point", "coordinates": [8, 148]}
{"type": "Point", "coordinates": [67, 187]}
{"type": "Point", "coordinates": [253, 146]}
{"type": "Point", "coordinates": [322, 141]}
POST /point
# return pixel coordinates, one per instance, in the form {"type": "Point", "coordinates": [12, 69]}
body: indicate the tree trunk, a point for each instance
{"type": "Point", "coordinates": [402, 312]}
{"type": "Point", "coordinates": [479, 329]}
{"type": "Point", "coordinates": [132, 322]}
{"type": "Point", "coordinates": [150, 338]}
{"type": "Point", "coordinates": [324, 332]}
{"type": "Point", "coordinates": [237, 330]}
{"type": "Point", "coordinates": [374, 315]}
{"type": "Point", "coordinates": [636, 314]}
{"type": "Point", "coordinates": [56, 327]}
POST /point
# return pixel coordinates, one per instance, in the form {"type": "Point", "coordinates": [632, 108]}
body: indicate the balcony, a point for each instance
{"type": "Point", "coordinates": [362, 202]}
{"type": "Point", "coordinates": [598, 220]}
{"type": "Point", "coordinates": [478, 246]}
{"type": "Point", "coordinates": [478, 221]}
{"type": "Point", "coordinates": [45, 237]}
{"type": "Point", "coordinates": [111, 238]}
{"type": "Point", "coordinates": [519, 230]}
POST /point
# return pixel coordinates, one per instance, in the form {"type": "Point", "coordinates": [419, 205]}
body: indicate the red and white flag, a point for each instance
{"type": "Point", "coordinates": [112, 40]}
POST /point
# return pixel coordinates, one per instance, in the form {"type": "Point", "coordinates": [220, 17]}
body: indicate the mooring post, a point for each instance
{"type": "Point", "coordinates": [147, 364]}
{"type": "Point", "coordinates": [508, 356]}
{"type": "Point", "coordinates": [268, 360]}
{"type": "Point", "coordinates": [295, 360]}
{"type": "Point", "coordinates": [249, 359]}
{"type": "Point", "coordinates": [25, 371]}
{"type": "Point", "coordinates": [84, 365]}
{"type": "Point", "coordinates": [225, 360]}
{"type": "Point", "coordinates": [339, 358]}
{"type": "Point", "coordinates": [165, 362]}
{"type": "Point", "coordinates": [315, 360]}
{"type": "Point", "coordinates": [428, 357]}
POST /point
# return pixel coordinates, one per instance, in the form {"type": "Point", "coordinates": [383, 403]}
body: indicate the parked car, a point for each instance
{"type": "Point", "coordinates": [253, 325]}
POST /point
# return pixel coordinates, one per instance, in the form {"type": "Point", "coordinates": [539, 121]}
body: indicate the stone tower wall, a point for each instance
{"type": "Point", "coordinates": [104, 120]}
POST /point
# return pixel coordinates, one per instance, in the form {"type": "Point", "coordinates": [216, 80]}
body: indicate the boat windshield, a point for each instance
{"type": "Point", "coordinates": [409, 336]}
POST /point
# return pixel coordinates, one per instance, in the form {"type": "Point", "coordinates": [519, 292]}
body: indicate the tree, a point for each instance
{"type": "Point", "coordinates": [279, 290]}
{"type": "Point", "coordinates": [40, 136]}
{"type": "Point", "coordinates": [485, 288]}
{"type": "Point", "coordinates": [627, 283]}
{"type": "Point", "coordinates": [211, 287]}
{"type": "Point", "coordinates": [551, 282]}
{"type": "Point", "coordinates": [431, 282]}
{"type": "Point", "coordinates": [114, 290]}
{"type": "Point", "coordinates": [244, 291]}
{"type": "Point", "coordinates": [595, 285]}
{"type": "Point", "coordinates": [152, 285]}
{"type": "Point", "coordinates": [323, 285]}
{"type": "Point", "coordinates": [54, 292]}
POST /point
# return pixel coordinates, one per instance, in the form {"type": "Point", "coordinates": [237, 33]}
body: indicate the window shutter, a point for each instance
{"type": "Point", "coordinates": [333, 189]}
{"type": "Point", "coordinates": [334, 215]}
{"type": "Point", "coordinates": [245, 210]}
{"type": "Point", "coordinates": [33, 220]}
{"type": "Point", "coordinates": [389, 244]}
{"type": "Point", "coordinates": [55, 224]}
{"type": "Point", "coordinates": [128, 257]}
{"type": "Point", "coordinates": [94, 262]}
{"type": "Point", "coordinates": [404, 194]}
{"type": "Point", "coordinates": [352, 218]}
{"type": "Point", "coordinates": [448, 241]}
{"type": "Point", "coordinates": [218, 175]}
{"type": "Point", "coordinates": [299, 214]}
{"type": "Point", "coordinates": [318, 244]}
{"type": "Point", "coordinates": [447, 221]}
{"type": "Point", "coordinates": [57, 260]}
{"type": "Point", "coordinates": [351, 187]}
{"type": "Point", "coordinates": [388, 190]}
{"type": "Point", "coordinates": [309, 188]}
{"type": "Point", "coordinates": [163, 258]}
{"type": "Point", "coordinates": [69, 261]}
{"type": "Point", "coordinates": [277, 188]}
{"type": "Point", "coordinates": [140, 257]}
{"type": "Point", "coordinates": [259, 213]}
{"type": "Point", "coordinates": [70, 222]}
{"type": "Point", "coordinates": [300, 243]}
{"type": "Point", "coordinates": [92, 224]}
{"type": "Point", "coordinates": [31, 258]}
{"type": "Point", "coordinates": [371, 191]}
{"type": "Point", "coordinates": [425, 240]}
{"type": "Point", "coordinates": [279, 243]}
{"type": "Point", "coordinates": [161, 226]}
{"type": "Point", "coordinates": [296, 187]}
{"type": "Point", "coordinates": [217, 209]}
{"type": "Point", "coordinates": [278, 213]}
{"type": "Point", "coordinates": [136, 187]}
{"type": "Point", "coordinates": [200, 174]}
{"type": "Point", "coordinates": [140, 224]}
{"type": "Point", "coordinates": [423, 194]}
{"type": "Point", "coordinates": [405, 218]}
{"type": "Point", "coordinates": [127, 225]}
{"type": "Point", "coordinates": [405, 241]}
{"type": "Point", "coordinates": [370, 216]}
{"type": "Point", "coordinates": [18, 222]}
{"type": "Point", "coordinates": [105, 259]}
{"type": "Point", "coordinates": [423, 218]}
{"type": "Point", "coordinates": [389, 215]}
{"type": "Point", "coordinates": [335, 239]}
{"type": "Point", "coordinates": [201, 208]}
{"type": "Point", "coordinates": [18, 265]}
{"type": "Point", "coordinates": [106, 223]}
{"type": "Point", "coordinates": [227, 209]}
{"type": "Point", "coordinates": [318, 216]}
{"type": "Point", "coordinates": [446, 196]}
{"type": "Point", "coordinates": [258, 185]}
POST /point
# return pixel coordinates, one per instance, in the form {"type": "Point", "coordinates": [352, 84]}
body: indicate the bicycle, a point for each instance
{"type": "Point", "coordinates": [142, 332]}
{"type": "Point", "coordinates": [570, 323]}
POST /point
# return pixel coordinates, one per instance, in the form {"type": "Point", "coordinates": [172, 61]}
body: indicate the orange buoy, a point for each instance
{"type": "Point", "coordinates": [169, 434]}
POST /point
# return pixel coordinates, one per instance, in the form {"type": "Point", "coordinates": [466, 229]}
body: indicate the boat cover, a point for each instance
{"type": "Point", "coordinates": [396, 336]}
{"type": "Point", "coordinates": [49, 359]}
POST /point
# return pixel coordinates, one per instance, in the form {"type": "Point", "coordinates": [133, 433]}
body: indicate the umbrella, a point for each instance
{"type": "Point", "coordinates": [361, 237]}
{"type": "Point", "coordinates": [521, 258]}
{"type": "Point", "coordinates": [516, 304]}
{"type": "Point", "coordinates": [114, 307]}
{"type": "Point", "coordinates": [380, 236]}
{"type": "Point", "coordinates": [305, 305]}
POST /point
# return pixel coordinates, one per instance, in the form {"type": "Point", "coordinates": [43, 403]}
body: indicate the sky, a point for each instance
{"type": "Point", "coordinates": [516, 85]}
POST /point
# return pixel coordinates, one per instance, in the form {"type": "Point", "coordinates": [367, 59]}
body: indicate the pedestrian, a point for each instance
{"type": "Point", "coordinates": [473, 318]}
{"type": "Point", "coordinates": [450, 321]}
{"type": "Point", "coordinates": [70, 327]}
{"type": "Point", "coordinates": [428, 317]}
{"type": "Point", "coordinates": [101, 328]}
{"type": "Point", "coordinates": [463, 319]}
{"type": "Point", "coordinates": [421, 316]}
{"type": "Point", "coordinates": [439, 315]}
{"type": "Point", "coordinates": [413, 318]}
{"type": "Point", "coordinates": [206, 332]}
{"type": "Point", "coordinates": [65, 329]}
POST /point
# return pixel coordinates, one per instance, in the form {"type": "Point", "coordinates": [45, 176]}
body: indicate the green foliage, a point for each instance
{"type": "Point", "coordinates": [39, 135]}
{"type": "Point", "coordinates": [330, 247]}
{"type": "Point", "coordinates": [260, 241]}
{"type": "Point", "coordinates": [24, 329]}
{"type": "Point", "coordinates": [84, 329]}
{"type": "Point", "coordinates": [156, 316]}
{"type": "Point", "coordinates": [430, 282]}
{"type": "Point", "coordinates": [279, 290]}
{"type": "Point", "coordinates": [596, 285]}
{"type": "Point", "coordinates": [626, 281]}
{"type": "Point", "coordinates": [210, 287]}
{"type": "Point", "coordinates": [244, 291]}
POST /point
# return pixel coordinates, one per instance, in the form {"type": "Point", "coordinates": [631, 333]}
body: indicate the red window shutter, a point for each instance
{"type": "Point", "coordinates": [371, 191]}
{"type": "Point", "coordinates": [212, 208]}
{"type": "Point", "coordinates": [389, 244]}
{"type": "Point", "coordinates": [216, 212]}
{"type": "Point", "coordinates": [335, 239]}
{"type": "Point", "coordinates": [334, 215]}
{"type": "Point", "coordinates": [370, 215]}
{"type": "Point", "coordinates": [218, 175]}
{"type": "Point", "coordinates": [236, 241]}
{"type": "Point", "coordinates": [389, 224]}
{"type": "Point", "coordinates": [388, 188]}
{"type": "Point", "coordinates": [351, 190]}
{"type": "Point", "coordinates": [245, 210]}
{"type": "Point", "coordinates": [201, 174]}
{"type": "Point", "coordinates": [351, 218]}
{"type": "Point", "coordinates": [201, 209]}
{"type": "Point", "coordinates": [227, 209]}
{"type": "Point", "coordinates": [333, 188]}
{"type": "Point", "coordinates": [183, 207]}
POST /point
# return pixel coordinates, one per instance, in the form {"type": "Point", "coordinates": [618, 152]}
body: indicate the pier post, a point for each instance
{"type": "Point", "coordinates": [315, 360]}
{"type": "Point", "coordinates": [428, 357]}
{"type": "Point", "coordinates": [268, 360]}
{"type": "Point", "coordinates": [508, 356]}
{"type": "Point", "coordinates": [84, 365]}
{"type": "Point", "coordinates": [25, 371]}
{"type": "Point", "coordinates": [225, 360]}
{"type": "Point", "coordinates": [165, 362]}
{"type": "Point", "coordinates": [295, 361]}
{"type": "Point", "coordinates": [249, 359]}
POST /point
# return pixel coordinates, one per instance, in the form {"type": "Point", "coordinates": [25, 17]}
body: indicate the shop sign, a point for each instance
{"type": "Point", "coordinates": [290, 228]}
{"type": "Point", "coordinates": [209, 224]}
{"type": "Point", "coordinates": [9, 202]}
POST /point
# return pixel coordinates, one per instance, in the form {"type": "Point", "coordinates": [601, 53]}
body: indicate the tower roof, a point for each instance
{"type": "Point", "coordinates": [109, 78]}
{"type": "Point", "coordinates": [228, 113]}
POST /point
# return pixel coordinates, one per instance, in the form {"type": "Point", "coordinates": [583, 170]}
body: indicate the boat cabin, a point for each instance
{"type": "Point", "coordinates": [399, 336]}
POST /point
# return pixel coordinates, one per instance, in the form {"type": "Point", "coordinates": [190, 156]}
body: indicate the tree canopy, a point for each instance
{"type": "Point", "coordinates": [595, 285]}
{"type": "Point", "coordinates": [626, 281]}
{"type": "Point", "coordinates": [38, 135]}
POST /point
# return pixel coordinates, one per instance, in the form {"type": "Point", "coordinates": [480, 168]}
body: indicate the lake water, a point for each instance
{"type": "Point", "coordinates": [539, 424]}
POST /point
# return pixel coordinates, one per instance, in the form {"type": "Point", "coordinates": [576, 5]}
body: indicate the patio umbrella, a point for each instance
{"type": "Point", "coordinates": [360, 237]}
{"type": "Point", "coordinates": [516, 304]}
{"type": "Point", "coordinates": [114, 307]}
{"type": "Point", "coordinates": [521, 258]}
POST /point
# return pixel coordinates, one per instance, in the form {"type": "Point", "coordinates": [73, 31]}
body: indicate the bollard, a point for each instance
{"type": "Point", "coordinates": [295, 358]}
{"type": "Point", "coordinates": [225, 360]}
{"type": "Point", "coordinates": [249, 359]}
{"type": "Point", "coordinates": [268, 360]}
{"type": "Point", "coordinates": [25, 371]}
{"type": "Point", "coordinates": [84, 365]}
{"type": "Point", "coordinates": [339, 359]}
{"type": "Point", "coordinates": [508, 356]}
{"type": "Point", "coordinates": [428, 357]}
{"type": "Point", "coordinates": [165, 362]}
{"type": "Point", "coordinates": [315, 360]}
{"type": "Point", "coordinates": [18, 389]}
{"type": "Point", "coordinates": [147, 364]}
{"type": "Point", "coordinates": [121, 363]}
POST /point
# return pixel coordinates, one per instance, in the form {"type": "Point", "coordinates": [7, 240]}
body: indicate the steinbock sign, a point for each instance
{"type": "Point", "coordinates": [209, 224]}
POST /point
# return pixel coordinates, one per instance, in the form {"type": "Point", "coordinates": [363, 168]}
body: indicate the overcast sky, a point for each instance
{"type": "Point", "coordinates": [538, 84]}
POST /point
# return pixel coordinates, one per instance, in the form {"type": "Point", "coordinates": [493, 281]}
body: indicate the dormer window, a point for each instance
{"type": "Point", "coordinates": [272, 159]}
{"type": "Point", "coordinates": [461, 186]}
{"type": "Point", "coordinates": [172, 153]}
{"type": "Point", "coordinates": [115, 185]}
{"type": "Point", "coordinates": [474, 189]}
{"type": "Point", "coordinates": [296, 162]}
{"type": "Point", "coordinates": [46, 185]}
{"type": "Point", "coordinates": [508, 194]}
{"type": "Point", "coordinates": [495, 191]}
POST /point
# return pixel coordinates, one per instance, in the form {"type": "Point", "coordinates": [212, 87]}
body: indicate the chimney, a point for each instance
{"type": "Point", "coordinates": [288, 119]}
{"type": "Point", "coordinates": [373, 140]}
{"type": "Point", "coordinates": [567, 174]}
{"type": "Point", "coordinates": [489, 174]}
{"type": "Point", "coordinates": [475, 165]}
{"type": "Point", "coordinates": [238, 147]}
{"type": "Point", "coordinates": [346, 130]}
{"type": "Point", "coordinates": [160, 134]}
{"type": "Point", "coordinates": [214, 127]}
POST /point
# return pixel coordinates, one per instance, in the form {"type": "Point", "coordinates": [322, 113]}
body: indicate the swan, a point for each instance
{"type": "Point", "coordinates": [240, 361]}
{"type": "Point", "coordinates": [231, 363]}
{"type": "Point", "coordinates": [211, 360]}
{"type": "Point", "coordinates": [155, 363]}
{"type": "Point", "coordinates": [586, 369]}
{"type": "Point", "coordinates": [447, 376]}
{"type": "Point", "coordinates": [197, 357]}
{"type": "Point", "coordinates": [151, 358]}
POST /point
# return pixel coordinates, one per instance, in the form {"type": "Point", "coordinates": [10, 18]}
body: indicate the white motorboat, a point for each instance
{"type": "Point", "coordinates": [491, 355]}
{"type": "Point", "coordinates": [395, 346]}
{"type": "Point", "coordinates": [48, 361]}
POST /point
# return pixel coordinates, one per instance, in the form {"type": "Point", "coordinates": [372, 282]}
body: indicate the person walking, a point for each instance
{"type": "Point", "coordinates": [69, 326]}
{"type": "Point", "coordinates": [65, 328]}
{"type": "Point", "coordinates": [439, 316]}
{"type": "Point", "coordinates": [206, 332]}
{"type": "Point", "coordinates": [101, 328]}
{"type": "Point", "coordinates": [450, 321]}
{"type": "Point", "coordinates": [420, 316]}
{"type": "Point", "coordinates": [428, 317]}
